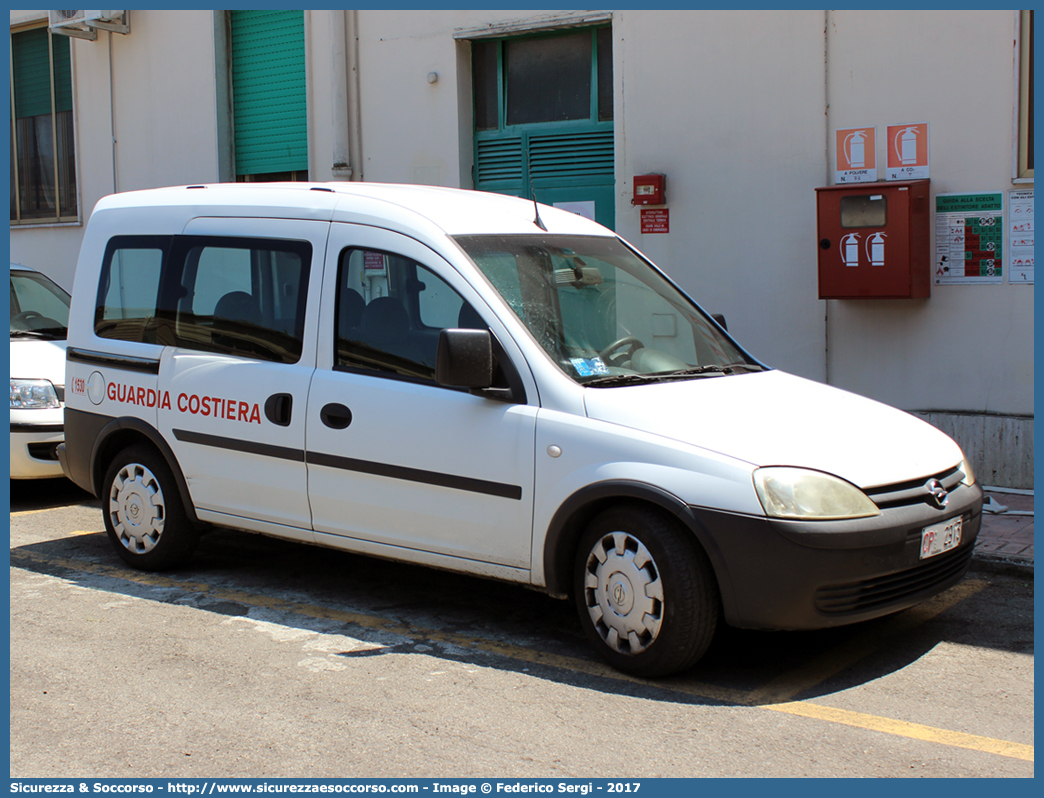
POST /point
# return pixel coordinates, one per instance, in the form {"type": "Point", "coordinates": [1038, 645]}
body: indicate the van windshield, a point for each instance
{"type": "Point", "coordinates": [602, 313]}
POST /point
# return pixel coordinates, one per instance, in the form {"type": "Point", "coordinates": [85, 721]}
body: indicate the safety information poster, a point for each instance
{"type": "Point", "coordinates": [1020, 237]}
{"type": "Point", "coordinates": [969, 238]}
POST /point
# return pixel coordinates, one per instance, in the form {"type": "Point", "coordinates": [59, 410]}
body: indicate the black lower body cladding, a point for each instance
{"type": "Point", "coordinates": [82, 432]}
{"type": "Point", "coordinates": [817, 574]}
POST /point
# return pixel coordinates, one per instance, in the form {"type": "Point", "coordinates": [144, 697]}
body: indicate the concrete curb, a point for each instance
{"type": "Point", "coordinates": [999, 564]}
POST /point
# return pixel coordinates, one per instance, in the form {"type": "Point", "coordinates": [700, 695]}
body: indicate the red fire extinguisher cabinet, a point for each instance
{"type": "Point", "coordinates": [874, 240]}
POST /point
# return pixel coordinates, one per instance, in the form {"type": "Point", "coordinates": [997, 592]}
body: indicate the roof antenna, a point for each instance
{"type": "Point", "coordinates": [536, 208]}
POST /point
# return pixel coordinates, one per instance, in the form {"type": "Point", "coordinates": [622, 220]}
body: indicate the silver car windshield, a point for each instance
{"type": "Point", "coordinates": [604, 315]}
{"type": "Point", "coordinates": [39, 308]}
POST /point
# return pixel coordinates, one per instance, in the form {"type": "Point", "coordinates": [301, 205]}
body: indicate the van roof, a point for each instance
{"type": "Point", "coordinates": [411, 207]}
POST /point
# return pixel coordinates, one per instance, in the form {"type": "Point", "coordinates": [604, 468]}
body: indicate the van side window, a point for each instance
{"type": "Point", "coordinates": [128, 292]}
{"type": "Point", "coordinates": [390, 311]}
{"type": "Point", "coordinates": [241, 297]}
{"type": "Point", "coordinates": [237, 296]}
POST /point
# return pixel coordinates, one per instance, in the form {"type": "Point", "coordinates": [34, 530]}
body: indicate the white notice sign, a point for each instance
{"type": "Point", "coordinates": [585, 208]}
{"type": "Point", "coordinates": [1020, 237]}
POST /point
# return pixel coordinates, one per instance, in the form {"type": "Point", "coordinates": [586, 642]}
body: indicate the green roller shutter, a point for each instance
{"type": "Point", "coordinates": [32, 73]}
{"type": "Point", "coordinates": [268, 91]}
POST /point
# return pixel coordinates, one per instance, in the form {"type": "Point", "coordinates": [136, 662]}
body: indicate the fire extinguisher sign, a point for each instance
{"type": "Point", "coordinates": [907, 148]}
{"type": "Point", "coordinates": [856, 155]}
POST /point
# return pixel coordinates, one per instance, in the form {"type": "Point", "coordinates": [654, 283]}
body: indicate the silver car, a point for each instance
{"type": "Point", "coordinates": [39, 320]}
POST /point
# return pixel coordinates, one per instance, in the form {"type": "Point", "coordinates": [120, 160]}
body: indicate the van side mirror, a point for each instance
{"type": "Point", "coordinates": [464, 359]}
{"type": "Point", "coordinates": [720, 318]}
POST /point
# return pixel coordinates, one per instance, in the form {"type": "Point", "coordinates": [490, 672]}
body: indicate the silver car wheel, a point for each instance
{"type": "Point", "coordinates": [137, 508]}
{"type": "Point", "coordinates": [623, 593]}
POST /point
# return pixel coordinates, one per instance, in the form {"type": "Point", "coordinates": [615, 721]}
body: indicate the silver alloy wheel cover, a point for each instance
{"type": "Point", "coordinates": [136, 508]}
{"type": "Point", "coordinates": [623, 593]}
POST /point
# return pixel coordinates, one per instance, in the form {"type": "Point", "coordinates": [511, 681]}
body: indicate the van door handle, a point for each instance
{"type": "Point", "coordinates": [336, 416]}
{"type": "Point", "coordinates": [278, 408]}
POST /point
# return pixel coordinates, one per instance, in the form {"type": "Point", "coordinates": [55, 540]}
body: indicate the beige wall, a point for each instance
{"type": "Point", "coordinates": [729, 105]}
{"type": "Point", "coordinates": [967, 347]}
{"type": "Point", "coordinates": [162, 113]}
{"type": "Point", "coordinates": [736, 108]}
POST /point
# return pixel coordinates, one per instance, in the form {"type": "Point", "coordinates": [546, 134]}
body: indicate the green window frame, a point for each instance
{"type": "Point", "coordinates": [1024, 167]}
{"type": "Point", "coordinates": [510, 158]}
{"type": "Point", "coordinates": [490, 72]}
{"type": "Point", "coordinates": [43, 160]}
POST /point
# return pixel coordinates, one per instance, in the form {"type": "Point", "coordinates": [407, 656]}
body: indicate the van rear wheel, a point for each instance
{"type": "Point", "coordinates": [144, 517]}
{"type": "Point", "coordinates": [645, 592]}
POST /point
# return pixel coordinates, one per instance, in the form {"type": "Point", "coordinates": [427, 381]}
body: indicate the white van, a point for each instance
{"type": "Point", "coordinates": [474, 382]}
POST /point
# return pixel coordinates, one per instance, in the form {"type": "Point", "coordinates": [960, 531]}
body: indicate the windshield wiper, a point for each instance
{"type": "Point", "coordinates": [615, 380]}
{"type": "Point", "coordinates": [728, 368]}
{"type": "Point", "coordinates": [49, 334]}
{"type": "Point", "coordinates": [746, 366]}
{"type": "Point", "coordinates": [638, 379]}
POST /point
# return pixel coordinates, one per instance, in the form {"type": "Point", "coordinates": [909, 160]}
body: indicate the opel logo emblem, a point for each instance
{"type": "Point", "coordinates": [619, 593]}
{"type": "Point", "coordinates": [937, 494]}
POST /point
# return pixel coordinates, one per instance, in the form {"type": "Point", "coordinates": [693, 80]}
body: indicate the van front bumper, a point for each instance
{"type": "Point", "coordinates": [781, 574]}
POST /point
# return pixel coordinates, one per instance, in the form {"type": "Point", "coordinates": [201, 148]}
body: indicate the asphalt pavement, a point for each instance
{"type": "Point", "coordinates": [266, 658]}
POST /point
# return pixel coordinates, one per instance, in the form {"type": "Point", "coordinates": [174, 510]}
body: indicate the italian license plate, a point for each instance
{"type": "Point", "coordinates": [937, 538]}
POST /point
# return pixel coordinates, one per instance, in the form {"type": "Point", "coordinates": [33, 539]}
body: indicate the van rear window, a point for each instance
{"type": "Point", "coordinates": [237, 296]}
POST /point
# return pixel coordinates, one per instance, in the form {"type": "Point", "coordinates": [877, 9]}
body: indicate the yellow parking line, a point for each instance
{"type": "Point", "coordinates": [900, 728]}
{"type": "Point", "coordinates": [677, 685]}
{"type": "Point", "coordinates": [787, 685]}
{"type": "Point", "coordinates": [38, 510]}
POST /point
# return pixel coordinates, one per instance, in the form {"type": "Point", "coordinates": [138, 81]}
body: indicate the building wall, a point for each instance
{"type": "Point", "coordinates": [967, 348]}
{"type": "Point", "coordinates": [729, 106]}
{"type": "Point", "coordinates": [159, 107]}
{"type": "Point", "coordinates": [737, 108]}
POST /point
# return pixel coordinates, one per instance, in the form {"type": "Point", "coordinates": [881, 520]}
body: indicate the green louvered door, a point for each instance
{"type": "Point", "coordinates": [544, 120]}
{"type": "Point", "coordinates": [268, 93]}
{"type": "Point", "coordinates": [562, 168]}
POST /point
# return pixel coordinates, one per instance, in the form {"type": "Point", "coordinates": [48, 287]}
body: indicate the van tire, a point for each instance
{"type": "Point", "coordinates": [645, 592]}
{"type": "Point", "coordinates": [144, 517]}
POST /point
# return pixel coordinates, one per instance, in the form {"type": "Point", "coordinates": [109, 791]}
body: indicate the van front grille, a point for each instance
{"type": "Point", "coordinates": [879, 592]}
{"type": "Point", "coordinates": [905, 494]}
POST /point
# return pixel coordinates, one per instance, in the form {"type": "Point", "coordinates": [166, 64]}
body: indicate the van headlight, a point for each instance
{"type": "Point", "coordinates": [33, 395]}
{"type": "Point", "coordinates": [810, 495]}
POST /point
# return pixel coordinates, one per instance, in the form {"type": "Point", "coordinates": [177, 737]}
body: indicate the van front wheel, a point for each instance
{"type": "Point", "coordinates": [645, 592]}
{"type": "Point", "coordinates": [144, 518]}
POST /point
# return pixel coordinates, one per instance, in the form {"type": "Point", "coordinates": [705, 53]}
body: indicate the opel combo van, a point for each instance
{"type": "Point", "coordinates": [478, 383]}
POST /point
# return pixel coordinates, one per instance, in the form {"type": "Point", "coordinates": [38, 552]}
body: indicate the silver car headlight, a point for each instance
{"type": "Point", "coordinates": [810, 495]}
{"type": "Point", "coordinates": [33, 395]}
